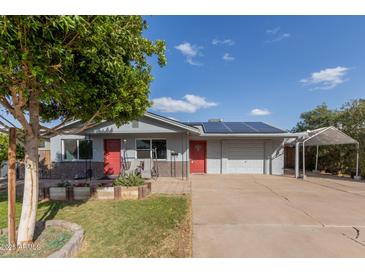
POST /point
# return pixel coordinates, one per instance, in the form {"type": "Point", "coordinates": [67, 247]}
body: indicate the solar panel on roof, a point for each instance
{"type": "Point", "coordinates": [237, 127]}
{"type": "Point", "coordinates": [240, 127]}
{"type": "Point", "coordinates": [264, 128]}
{"type": "Point", "coordinates": [215, 127]}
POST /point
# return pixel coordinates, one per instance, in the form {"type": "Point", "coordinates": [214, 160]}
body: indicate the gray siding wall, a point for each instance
{"type": "Point", "coordinates": [214, 156]}
{"type": "Point", "coordinates": [277, 157]}
{"type": "Point", "coordinates": [174, 142]}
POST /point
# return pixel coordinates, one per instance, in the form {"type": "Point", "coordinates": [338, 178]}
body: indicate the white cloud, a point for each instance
{"type": "Point", "coordinates": [228, 57]}
{"type": "Point", "coordinates": [276, 35]}
{"type": "Point", "coordinates": [273, 31]}
{"type": "Point", "coordinates": [228, 42]}
{"type": "Point", "coordinates": [326, 78]}
{"type": "Point", "coordinates": [281, 37]}
{"type": "Point", "coordinates": [260, 112]}
{"type": "Point", "coordinates": [190, 103]}
{"type": "Point", "coordinates": [190, 52]}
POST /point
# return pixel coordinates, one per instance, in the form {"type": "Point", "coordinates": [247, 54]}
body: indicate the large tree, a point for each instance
{"type": "Point", "coordinates": [63, 68]}
{"type": "Point", "coordinates": [320, 116]}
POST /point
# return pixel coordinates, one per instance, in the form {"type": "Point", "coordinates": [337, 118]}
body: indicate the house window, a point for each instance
{"type": "Point", "coordinates": [160, 147]}
{"type": "Point", "coordinates": [85, 149]}
{"type": "Point", "coordinates": [73, 149]}
{"type": "Point", "coordinates": [143, 149]}
{"type": "Point", "coordinates": [41, 143]}
{"type": "Point", "coordinates": [146, 148]}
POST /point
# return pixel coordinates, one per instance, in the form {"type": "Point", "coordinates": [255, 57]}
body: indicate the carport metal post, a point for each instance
{"type": "Point", "coordinates": [297, 160]}
{"type": "Point", "coordinates": [357, 160]}
{"type": "Point", "coordinates": [304, 160]}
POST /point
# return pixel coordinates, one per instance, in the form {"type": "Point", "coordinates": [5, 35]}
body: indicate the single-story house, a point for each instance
{"type": "Point", "coordinates": [157, 144]}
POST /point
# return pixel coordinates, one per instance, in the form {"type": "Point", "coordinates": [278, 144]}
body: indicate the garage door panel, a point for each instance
{"type": "Point", "coordinates": [244, 157]}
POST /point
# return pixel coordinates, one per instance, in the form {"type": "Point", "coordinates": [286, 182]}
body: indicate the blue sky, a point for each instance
{"type": "Point", "coordinates": [256, 68]}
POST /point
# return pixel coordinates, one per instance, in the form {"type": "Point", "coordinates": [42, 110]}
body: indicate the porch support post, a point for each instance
{"type": "Point", "coordinates": [316, 169]}
{"type": "Point", "coordinates": [297, 160]}
{"type": "Point", "coordinates": [357, 177]}
{"type": "Point", "coordinates": [187, 157]}
{"type": "Point", "coordinates": [304, 176]}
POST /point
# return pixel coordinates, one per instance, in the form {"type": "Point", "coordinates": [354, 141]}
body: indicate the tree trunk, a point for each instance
{"type": "Point", "coordinates": [30, 197]}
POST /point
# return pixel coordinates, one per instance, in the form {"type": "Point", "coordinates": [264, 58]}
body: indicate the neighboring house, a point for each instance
{"type": "Point", "coordinates": [173, 148]}
{"type": "Point", "coordinates": [44, 153]}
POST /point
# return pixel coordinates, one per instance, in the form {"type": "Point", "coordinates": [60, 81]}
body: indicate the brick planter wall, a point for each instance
{"type": "Point", "coordinates": [98, 193]}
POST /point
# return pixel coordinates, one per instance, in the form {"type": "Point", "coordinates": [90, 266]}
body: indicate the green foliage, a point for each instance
{"type": "Point", "coordinates": [64, 184]}
{"type": "Point", "coordinates": [319, 117]}
{"type": "Point", "coordinates": [131, 179]}
{"type": "Point", "coordinates": [4, 209]}
{"type": "Point", "coordinates": [82, 65]}
{"type": "Point", "coordinates": [350, 118]}
{"type": "Point", "coordinates": [4, 145]}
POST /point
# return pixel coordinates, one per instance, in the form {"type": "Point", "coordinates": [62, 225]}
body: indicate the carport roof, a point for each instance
{"type": "Point", "coordinates": [324, 136]}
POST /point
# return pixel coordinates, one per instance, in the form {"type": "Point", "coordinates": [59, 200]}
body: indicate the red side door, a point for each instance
{"type": "Point", "coordinates": [112, 158]}
{"type": "Point", "coordinates": [198, 156]}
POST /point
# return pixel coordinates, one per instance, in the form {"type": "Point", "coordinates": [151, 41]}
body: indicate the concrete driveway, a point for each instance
{"type": "Point", "coordinates": [275, 216]}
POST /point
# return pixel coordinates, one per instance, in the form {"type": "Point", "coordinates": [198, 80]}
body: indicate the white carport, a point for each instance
{"type": "Point", "coordinates": [320, 137]}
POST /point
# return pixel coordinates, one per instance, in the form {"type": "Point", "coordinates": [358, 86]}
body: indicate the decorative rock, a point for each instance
{"type": "Point", "coordinates": [130, 193]}
{"type": "Point", "coordinates": [81, 193]}
{"type": "Point", "coordinates": [104, 193]}
{"type": "Point", "coordinates": [58, 193]}
{"type": "Point", "coordinates": [100, 193]}
{"type": "Point", "coordinates": [71, 248]}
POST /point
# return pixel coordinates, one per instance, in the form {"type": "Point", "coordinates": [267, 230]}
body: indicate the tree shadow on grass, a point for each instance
{"type": "Point", "coordinates": [53, 207]}
{"type": "Point", "coordinates": [51, 210]}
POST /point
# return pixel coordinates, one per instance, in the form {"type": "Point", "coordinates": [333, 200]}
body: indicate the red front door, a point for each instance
{"type": "Point", "coordinates": [112, 157]}
{"type": "Point", "coordinates": [197, 156]}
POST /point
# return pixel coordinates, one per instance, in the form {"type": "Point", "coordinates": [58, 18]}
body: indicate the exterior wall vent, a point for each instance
{"type": "Point", "coordinates": [135, 124]}
{"type": "Point", "coordinates": [215, 120]}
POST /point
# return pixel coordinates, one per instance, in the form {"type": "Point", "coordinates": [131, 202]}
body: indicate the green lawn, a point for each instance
{"type": "Point", "coordinates": [4, 210]}
{"type": "Point", "coordinates": [158, 226]}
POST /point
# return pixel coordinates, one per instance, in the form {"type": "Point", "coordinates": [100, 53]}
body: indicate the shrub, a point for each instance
{"type": "Point", "coordinates": [64, 184]}
{"type": "Point", "coordinates": [82, 184]}
{"type": "Point", "coordinates": [129, 180]}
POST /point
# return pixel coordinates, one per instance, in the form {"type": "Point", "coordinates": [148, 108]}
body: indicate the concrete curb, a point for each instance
{"type": "Point", "coordinates": [71, 248]}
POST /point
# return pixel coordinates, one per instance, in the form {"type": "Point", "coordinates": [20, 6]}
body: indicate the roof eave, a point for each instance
{"type": "Point", "coordinates": [172, 122]}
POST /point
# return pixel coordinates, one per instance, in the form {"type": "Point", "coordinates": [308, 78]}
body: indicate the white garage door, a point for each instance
{"type": "Point", "coordinates": [244, 156]}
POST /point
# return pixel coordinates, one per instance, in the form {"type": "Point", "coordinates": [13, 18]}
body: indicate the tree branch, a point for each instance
{"type": "Point", "coordinates": [17, 112]}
